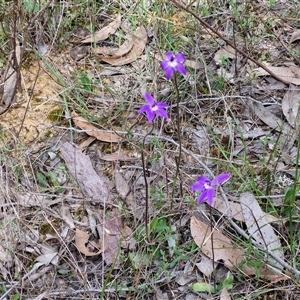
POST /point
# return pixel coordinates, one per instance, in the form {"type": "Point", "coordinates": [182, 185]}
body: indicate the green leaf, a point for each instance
{"type": "Point", "coordinates": [228, 282]}
{"type": "Point", "coordinates": [203, 287]}
{"type": "Point", "coordinates": [63, 272]}
{"type": "Point", "coordinates": [41, 178]}
{"type": "Point", "coordinates": [15, 296]}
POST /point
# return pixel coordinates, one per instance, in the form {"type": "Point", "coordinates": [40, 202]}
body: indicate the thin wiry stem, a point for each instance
{"type": "Point", "coordinates": [178, 136]}
{"type": "Point", "coordinates": [146, 183]}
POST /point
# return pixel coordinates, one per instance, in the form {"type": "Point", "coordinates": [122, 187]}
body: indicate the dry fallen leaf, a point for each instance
{"type": "Point", "coordinates": [289, 74]}
{"type": "Point", "coordinates": [290, 105]}
{"type": "Point", "coordinates": [122, 50]}
{"type": "Point", "coordinates": [117, 157]}
{"type": "Point", "coordinates": [205, 266]}
{"type": "Point", "coordinates": [258, 226]}
{"type": "Point", "coordinates": [122, 186]}
{"type": "Point", "coordinates": [105, 32]}
{"type": "Point", "coordinates": [94, 131]}
{"type": "Point", "coordinates": [111, 226]}
{"type": "Point", "coordinates": [81, 168]}
{"type": "Point", "coordinates": [290, 135]}
{"type": "Point", "coordinates": [270, 119]}
{"type": "Point", "coordinates": [295, 36]}
{"type": "Point", "coordinates": [140, 40]}
{"type": "Point", "coordinates": [66, 216]}
{"type": "Point", "coordinates": [82, 244]}
{"type": "Point", "coordinates": [225, 295]}
{"type": "Point", "coordinates": [224, 248]}
{"type": "Point", "coordinates": [227, 52]}
{"type": "Point", "coordinates": [236, 210]}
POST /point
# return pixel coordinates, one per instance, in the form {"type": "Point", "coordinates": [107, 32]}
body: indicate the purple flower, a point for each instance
{"type": "Point", "coordinates": [173, 63]}
{"type": "Point", "coordinates": [207, 187]}
{"type": "Point", "coordinates": [153, 108]}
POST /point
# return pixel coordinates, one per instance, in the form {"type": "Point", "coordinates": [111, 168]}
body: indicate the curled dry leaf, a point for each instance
{"type": "Point", "coordinates": [94, 131]}
{"type": "Point", "coordinates": [122, 50]}
{"type": "Point", "coordinates": [82, 244]}
{"type": "Point", "coordinates": [289, 74]}
{"type": "Point", "coordinates": [139, 43]}
{"type": "Point", "coordinates": [105, 32]}
{"type": "Point", "coordinates": [224, 248]}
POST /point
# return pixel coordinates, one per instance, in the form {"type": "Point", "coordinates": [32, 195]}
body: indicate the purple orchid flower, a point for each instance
{"type": "Point", "coordinates": [207, 187]}
{"type": "Point", "coordinates": [153, 108]}
{"type": "Point", "coordinates": [173, 63]}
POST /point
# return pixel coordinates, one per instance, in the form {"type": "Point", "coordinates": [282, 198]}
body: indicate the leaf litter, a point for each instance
{"type": "Point", "coordinates": [108, 223]}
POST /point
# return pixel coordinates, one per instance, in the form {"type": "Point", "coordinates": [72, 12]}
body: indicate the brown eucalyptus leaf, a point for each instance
{"type": "Point", "coordinates": [94, 131]}
{"type": "Point", "coordinates": [140, 39]}
{"type": "Point", "coordinates": [110, 226]}
{"type": "Point", "coordinates": [82, 244]}
{"type": "Point", "coordinates": [104, 32]}
{"type": "Point", "coordinates": [289, 74]}
{"type": "Point", "coordinates": [122, 50]}
{"type": "Point", "coordinates": [224, 248]}
{"type": "Point", "coordinates": [80, 167]}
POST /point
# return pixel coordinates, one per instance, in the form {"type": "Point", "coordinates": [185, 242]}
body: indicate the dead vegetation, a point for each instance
{"type": "Point", "coordinates": [72, 190]}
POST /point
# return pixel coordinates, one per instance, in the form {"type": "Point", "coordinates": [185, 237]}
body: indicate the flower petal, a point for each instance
{"type": "Point", "coordinates": [162, 113]}
{"type": "Point", "coordinates": [202, 197]}
{"type": "Point", "coordinates": [164, 64]}
{"type": "Point", "coordinates": [199, 185]}
{"type": "Point", "coordinates": [169, 55]}
{"type": "Point", "coordinates": [210, 196]}
{"type": "Point", "coordinates": [162, 105]}
{"type": "Point", "coordinates": [169, 72]}
{"type": "Point", "coordinates": [149, 113]}
{"type": "Point", "coordinates": [220, 179]}
{"type": "Point", "coordinates": [180, 58]}
{"type": "Point", "coordinates": [203, 180]}
{"type": "Point", "coordinates": [149, 99]}
{"type": "Point", "coordinates": [181, 69]}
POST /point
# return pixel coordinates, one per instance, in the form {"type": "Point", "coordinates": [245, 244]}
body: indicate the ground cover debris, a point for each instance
{"type": "Point", "coordinates": [149, 149]}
